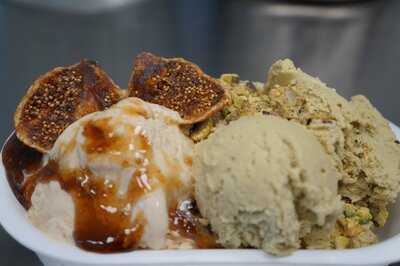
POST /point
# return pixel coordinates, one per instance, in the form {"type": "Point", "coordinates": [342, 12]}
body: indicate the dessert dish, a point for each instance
{"type": "Point", "coordinates": [182, 160]}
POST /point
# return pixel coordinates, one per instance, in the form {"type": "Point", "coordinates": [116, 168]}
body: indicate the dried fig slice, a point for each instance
{"type": "Point", "coordinates": [60, 97]}
{"type": "Point", "coordinates": [177, 84]}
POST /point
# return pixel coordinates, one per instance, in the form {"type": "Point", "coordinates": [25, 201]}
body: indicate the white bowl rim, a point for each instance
{"type": "Point", "coordinates": [21, 230]}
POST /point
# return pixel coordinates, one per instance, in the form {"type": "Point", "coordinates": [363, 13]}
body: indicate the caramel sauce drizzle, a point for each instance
{"type": "Point", "coordinates": [103, 221]}
{"type": "Point", "coordinates": [185, 219]}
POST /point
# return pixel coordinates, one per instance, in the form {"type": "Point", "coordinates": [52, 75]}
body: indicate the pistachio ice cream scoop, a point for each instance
{"type": "Point", "coordinates": [265, 182]}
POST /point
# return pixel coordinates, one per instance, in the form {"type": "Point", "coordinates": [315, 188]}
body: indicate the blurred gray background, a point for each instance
{"type": "Point", "coordinates": [352, 46]}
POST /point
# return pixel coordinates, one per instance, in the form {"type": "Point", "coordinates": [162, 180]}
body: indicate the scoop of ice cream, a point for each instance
{"type": "Point", "coordinates": [264, 182]}
{"type": "Point", "coordinates": [52, 211]}
{"type": "Point", "coordinates": [123, 169]}
{"type": "Point", "coordinates": [305, 99]}
{"type": "Point", "coordinates": [372, 145]}
{"type": "Point", "coordinates": [354, 134]}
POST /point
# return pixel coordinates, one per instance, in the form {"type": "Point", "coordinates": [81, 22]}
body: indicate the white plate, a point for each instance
{"type": "Point", "coordinates": [51, 252]}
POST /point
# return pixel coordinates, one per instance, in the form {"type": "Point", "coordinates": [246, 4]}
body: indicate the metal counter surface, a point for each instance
{"type": "Point", "coordinates": [353, 47]}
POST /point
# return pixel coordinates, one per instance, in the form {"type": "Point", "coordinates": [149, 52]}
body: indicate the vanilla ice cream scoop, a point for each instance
{"type": "Point", "coordinates": [123, 169]}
